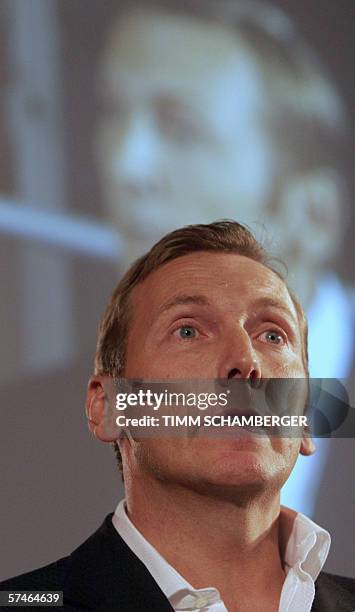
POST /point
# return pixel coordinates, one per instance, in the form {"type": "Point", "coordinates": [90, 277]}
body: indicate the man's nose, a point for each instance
{"type": "Point", "coordinates": [239, 358]}
{"type": "Point", "coordinates": [136, 157]}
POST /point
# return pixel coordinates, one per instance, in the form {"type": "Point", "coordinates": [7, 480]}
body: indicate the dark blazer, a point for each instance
{"type": "Point", "coordinates": [103, 574]}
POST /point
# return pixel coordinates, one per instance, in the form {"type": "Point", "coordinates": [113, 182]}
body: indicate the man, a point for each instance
{"type": "Point", "coordinates": [223, 104]}
{"type": "Point", "coordinates": [201, 527]}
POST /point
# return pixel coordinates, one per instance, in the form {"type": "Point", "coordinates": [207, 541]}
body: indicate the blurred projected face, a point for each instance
{"type": "Point", "coordinates": [180, 138]}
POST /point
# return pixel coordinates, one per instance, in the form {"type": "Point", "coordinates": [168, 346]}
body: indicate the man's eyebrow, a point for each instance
{"type": "Point", "coordinates": [267, 302]}
{"type": "Point", "coordinates": [201, 300]}
{"type": "Point", "coordinates": [182, 300]}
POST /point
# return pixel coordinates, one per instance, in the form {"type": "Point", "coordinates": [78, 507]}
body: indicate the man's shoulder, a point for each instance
{"type": "Point", "coordinates": [334, 592]}
{"type": "Point", "coordinates": [343, 582]}
{"type": "Point", "coordinates": [55, 574]}
{"type": "Point", "coordinates": [99, 573]}
{"type": "Point", "coordinates": [48, 578]}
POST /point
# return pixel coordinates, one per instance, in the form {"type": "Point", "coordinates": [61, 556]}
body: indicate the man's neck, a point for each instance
{"type": "Point", "coordinates": [236, 545]}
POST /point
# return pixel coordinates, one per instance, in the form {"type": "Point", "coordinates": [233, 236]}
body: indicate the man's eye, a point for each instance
{"type": "Point", "coordinates": [273, 337]}
{"type": "Point", "coordinates": [186, 332]}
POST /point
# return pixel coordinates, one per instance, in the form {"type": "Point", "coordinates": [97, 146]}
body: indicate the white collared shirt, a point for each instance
{"type": "Point", "coordinates": [306, 551]}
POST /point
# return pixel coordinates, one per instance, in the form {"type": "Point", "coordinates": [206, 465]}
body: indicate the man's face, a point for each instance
{"type": "Point", "coordinates": [181, 123]}
{"type": "Point", "coordinates": [214, 315]}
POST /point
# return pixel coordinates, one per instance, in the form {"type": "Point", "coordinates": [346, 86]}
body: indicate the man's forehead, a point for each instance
{"type": "Point", "coordinates": [203, 277]}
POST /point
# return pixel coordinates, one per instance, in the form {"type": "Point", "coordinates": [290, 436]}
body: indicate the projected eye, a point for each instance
{"type": "Point", "coordinates": [272, 336]}
{"type": "Point", "coordinates": [186, 332]}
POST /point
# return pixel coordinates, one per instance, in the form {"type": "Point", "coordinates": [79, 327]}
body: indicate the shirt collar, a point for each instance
{"type": "Point", "coordinates": [306, 543]}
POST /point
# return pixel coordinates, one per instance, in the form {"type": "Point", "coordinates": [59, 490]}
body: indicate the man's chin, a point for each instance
{"type": "Point", "coordinates": [236, 488]}
{"type": "Point", "coordinates": [245, 464]}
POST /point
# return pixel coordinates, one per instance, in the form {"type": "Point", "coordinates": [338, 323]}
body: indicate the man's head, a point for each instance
{"type": "Point", "coordinates": [205, 302]}
{"type": "Point", "coordinates": [211, 102]}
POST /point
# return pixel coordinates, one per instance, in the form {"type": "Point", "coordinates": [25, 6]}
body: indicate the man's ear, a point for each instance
{"type": "Point", "coordinates": [100, 398]}
{"type": "Point", "coordinates": [307, 446]}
